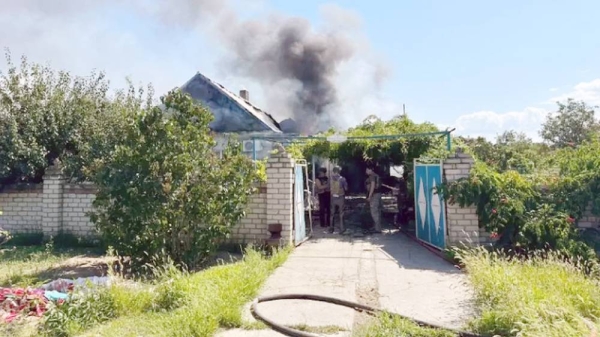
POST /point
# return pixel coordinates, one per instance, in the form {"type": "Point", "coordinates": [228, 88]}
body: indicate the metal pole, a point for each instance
{"type": "Point", "coordinates": [448, 142]}
{"type": "Point", "coordinates": [313, 161]}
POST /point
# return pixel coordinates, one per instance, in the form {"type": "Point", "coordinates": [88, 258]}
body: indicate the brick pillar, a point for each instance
{"type": "Point", "coordinates": [280, 179]}
{"type": "Point", "coordinates": [463, 223]}
{"type": "Point", "coordinates": [52, 201]}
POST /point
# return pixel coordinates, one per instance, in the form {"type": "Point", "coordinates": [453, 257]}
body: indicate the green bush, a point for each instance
{"type": "Point", "coordinates": [165, 191]}
{"type": "Point", "coordinates": [79, 314]}
{"type": "Point", "coordinates": [518, 210]}
{"type": "Point", "coordinates": [502, 199]}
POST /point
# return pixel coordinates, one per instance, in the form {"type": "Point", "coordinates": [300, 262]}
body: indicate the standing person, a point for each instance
{"type": "Point", "coordinates": [322, 186]}
{"type": "Point", "coordinates": [400, 190]}
{"type": "Point", "coordinates": [338, 186]}
{"type": "Point", "coordinates": [374, 197]}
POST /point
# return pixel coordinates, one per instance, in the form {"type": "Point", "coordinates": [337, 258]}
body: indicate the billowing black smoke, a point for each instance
{"type": "Point", "coordinates": [295, 64]}
{"type": "Point", "coordinates": [288, 50]}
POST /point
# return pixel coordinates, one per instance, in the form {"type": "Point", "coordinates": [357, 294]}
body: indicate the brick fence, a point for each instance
{"type": "Point", "coordinates": [56, 206]}
{"type": "Point", "coordinates": [463, 223]}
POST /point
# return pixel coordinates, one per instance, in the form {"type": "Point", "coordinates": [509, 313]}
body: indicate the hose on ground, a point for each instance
{"type": "Point", "coordinates": [356, 306]}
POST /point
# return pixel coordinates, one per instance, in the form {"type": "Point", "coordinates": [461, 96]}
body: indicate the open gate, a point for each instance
{"type": "Point", "coordinates": [300, 206]}
{"type": "Point", "coordinates": [430, 213]}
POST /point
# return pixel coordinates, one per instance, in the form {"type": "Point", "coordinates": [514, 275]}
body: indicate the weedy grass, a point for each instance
{"type": "Point", "coordinates": [543, 295]}
{"type": "Point", "coordinates": [386, 325]}
{"type": "Point", "coordinates": [170, 303]}
{"type": "Point", "coordinates": [178, 303]}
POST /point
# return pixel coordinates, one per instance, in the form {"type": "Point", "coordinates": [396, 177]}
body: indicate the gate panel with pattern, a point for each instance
{"type": "Point", "coordinates": [430, 213]}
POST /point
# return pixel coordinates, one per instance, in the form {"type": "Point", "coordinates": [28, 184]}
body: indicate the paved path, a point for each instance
{"type": "Point", "coordinates": [389, 271]}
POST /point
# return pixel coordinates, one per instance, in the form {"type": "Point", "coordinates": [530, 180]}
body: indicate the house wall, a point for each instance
{"type": "Point", "coordinates": [56, 206]}
{"type": "Point", "coordinates": [263, 147]}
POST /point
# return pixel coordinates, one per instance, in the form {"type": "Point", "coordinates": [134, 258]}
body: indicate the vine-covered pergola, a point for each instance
{"type": "Point", "coordinates": [342, 148]}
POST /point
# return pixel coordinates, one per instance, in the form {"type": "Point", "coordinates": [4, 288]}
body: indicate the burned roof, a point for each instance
{"type": "Point", "coordinates": [232, 113]}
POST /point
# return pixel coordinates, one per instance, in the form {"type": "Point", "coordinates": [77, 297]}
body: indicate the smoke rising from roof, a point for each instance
{"type": "Point", "coordinates": [296, 64]}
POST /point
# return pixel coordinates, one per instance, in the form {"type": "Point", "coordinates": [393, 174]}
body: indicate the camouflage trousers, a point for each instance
{"type": "Point", "coordinates": [375, 205]}
{"type": "Point", "coordinates": [337, 203]}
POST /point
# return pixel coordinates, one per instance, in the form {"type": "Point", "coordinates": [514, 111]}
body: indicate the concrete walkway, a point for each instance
{"type": "Point", "coordinates": [389, 271]}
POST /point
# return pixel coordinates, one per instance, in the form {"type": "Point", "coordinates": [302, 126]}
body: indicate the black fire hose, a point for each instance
{"type": "Point", "coordinates": [356, 306]}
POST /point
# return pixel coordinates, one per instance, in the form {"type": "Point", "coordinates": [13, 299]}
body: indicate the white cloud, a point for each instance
{"type": "Point", "coordinates": [490, 123]}
{"type": "Point", "coordinates": [588, 92]}
{"type": "Point", "coordinates": [80, 36]}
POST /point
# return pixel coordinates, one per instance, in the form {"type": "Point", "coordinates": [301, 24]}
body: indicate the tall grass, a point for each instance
{"type": "Point", "coordinates": [386, 326]}
{"type": "Point", "coordinates": [542, 296]}
{"type": "Point", "coordinates": [176, 304]}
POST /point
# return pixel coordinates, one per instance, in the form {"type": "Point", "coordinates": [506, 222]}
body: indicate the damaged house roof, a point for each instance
{"type": "Point", "coordinates": [233, 114]}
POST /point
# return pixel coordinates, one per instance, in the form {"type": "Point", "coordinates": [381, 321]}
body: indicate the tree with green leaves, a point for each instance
{"type": "Point", "coordinates": [511, 150]}
{"type": "Point", "coordinates": [164, 191]}
{"type": "Point", "coordinates": [47, 115]}
{"type": "Point", "coordinates": [573, 123]}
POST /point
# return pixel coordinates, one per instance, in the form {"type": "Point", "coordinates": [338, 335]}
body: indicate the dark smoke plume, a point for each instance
{"type": "Point", "coordinates": [295, 64]}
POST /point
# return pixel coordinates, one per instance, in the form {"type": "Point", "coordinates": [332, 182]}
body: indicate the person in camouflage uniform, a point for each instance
{"type": "Point", "coordinates": [338, 187]}
{"type": "Point", "coordinates": [374, 190]}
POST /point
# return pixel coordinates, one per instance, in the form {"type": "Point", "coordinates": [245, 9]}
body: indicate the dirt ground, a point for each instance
{"type": "Point", "coordinates": [79, 266]}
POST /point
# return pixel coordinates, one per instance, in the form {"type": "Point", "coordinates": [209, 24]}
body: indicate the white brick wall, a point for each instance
{"type": "Point", "coordinates": [77, 202]}
{"type": "Point", "coordinates": [463, 223]}
{"type": "Point", "coordinates": [56, 206]}
{"type": "Point", "coordinates": [279, 199]}
{"type": "Point", "coordinates": [253, 226]}
{"type": "Point", "coordinates": [589, 220]}
{"type": "Point", "coordinates": [22, 209]}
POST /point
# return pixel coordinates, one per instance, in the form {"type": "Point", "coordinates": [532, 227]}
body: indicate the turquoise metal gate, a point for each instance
{"type": "Point", "coordinates": [430, 210]}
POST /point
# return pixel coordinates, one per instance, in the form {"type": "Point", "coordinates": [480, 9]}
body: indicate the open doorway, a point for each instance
{"type": "Point", "coordinates": [358, 157]}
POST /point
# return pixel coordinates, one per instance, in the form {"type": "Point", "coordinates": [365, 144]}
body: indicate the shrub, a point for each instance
{"type": "Point", "coordinates": [80, 313]}
{"type": "Point", "coordinates": [165, 190]}
{"type": "Point", "coordinates": [516, 208]}
{"type": "Point", "coordinates": [546, 227]}
{"type": "Point", "coordinates": [502, 199]}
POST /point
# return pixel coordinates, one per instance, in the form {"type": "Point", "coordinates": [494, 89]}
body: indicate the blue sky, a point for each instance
{"type": "Point", "coordinates": [480, 66]}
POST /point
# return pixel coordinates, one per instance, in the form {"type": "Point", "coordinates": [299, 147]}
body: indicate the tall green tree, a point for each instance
{"type": "Point", "coordinates": [511, 150]}
{"type": "Point", "coordinates": [47, 115]}
{"type": "Point", "coordinates": [573, 123]}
